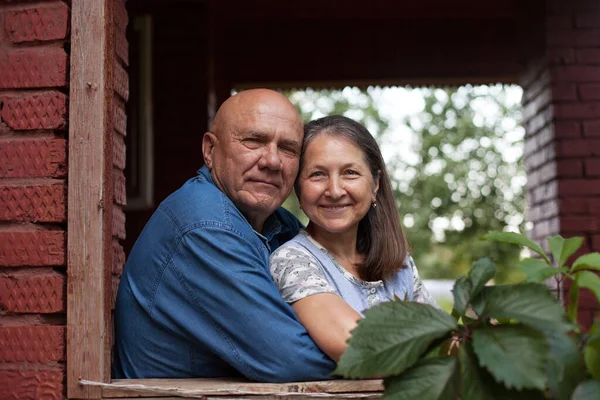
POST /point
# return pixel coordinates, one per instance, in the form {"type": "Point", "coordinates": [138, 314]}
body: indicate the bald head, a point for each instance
{"type": "Point", "coordinates": [253, 151]}
{"type": "Point", "coordinates": [249, 104]}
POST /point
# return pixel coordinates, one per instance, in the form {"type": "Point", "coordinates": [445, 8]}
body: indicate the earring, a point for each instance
{"type": "Point", "coordinates": [374, 204]}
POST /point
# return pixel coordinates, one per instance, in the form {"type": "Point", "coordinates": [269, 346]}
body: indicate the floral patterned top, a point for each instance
{"type": "Point", "coordinates": [299, 274]}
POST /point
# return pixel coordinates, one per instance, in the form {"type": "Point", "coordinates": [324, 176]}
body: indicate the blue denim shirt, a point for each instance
{"type": "Point", "coordinates": [196, 298]}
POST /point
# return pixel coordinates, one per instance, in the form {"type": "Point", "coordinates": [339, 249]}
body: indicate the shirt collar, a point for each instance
{"type": "Point", "coordinates": [272, 225]}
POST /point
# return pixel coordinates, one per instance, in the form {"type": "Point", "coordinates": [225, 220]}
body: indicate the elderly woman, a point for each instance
{"type": "Point", "coordinates": [353, 254]}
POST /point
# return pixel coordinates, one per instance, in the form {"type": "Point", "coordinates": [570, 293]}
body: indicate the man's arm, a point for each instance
{"type": "Point", "coordinates": [218, 292]}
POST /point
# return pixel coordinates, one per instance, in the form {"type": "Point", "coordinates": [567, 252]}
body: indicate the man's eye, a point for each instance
{"type": "Point", "coordinates": [289, 150]}
{"type": "Point", "coordinates": [316, 174]}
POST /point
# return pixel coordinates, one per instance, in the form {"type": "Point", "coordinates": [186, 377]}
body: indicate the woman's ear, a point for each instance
{"type": "Point", "coordinates": [376, 184]}
{"type": "Point", "coordinates": [208, 144]}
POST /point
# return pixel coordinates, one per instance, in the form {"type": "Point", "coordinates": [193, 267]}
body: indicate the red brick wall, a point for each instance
{"type": "Point", "coordinates": [120, 121]}
{"type": "Point", "coordinates": [562, 119]}
{"type": "Point", "coordinates": [33, 167]}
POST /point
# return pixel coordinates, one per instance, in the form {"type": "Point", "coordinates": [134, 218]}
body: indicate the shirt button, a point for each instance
{"type": "Point", "coordinates": [373, 290]}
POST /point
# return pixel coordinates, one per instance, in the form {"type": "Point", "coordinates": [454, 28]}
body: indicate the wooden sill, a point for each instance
{"type": "Point", "coordinates": [238, 389]}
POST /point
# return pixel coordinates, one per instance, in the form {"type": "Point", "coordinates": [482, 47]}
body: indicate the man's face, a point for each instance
{"type": "Point", "coordinates": [254, 159]}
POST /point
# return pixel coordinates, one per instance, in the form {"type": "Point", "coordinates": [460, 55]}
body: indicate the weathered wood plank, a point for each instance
{"type": "Point", "coordinates": [235, 388]}
{"type": "Point", "coordinates": [90, 196]}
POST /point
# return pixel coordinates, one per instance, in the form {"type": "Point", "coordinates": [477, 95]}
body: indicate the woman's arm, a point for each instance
{"type": "Point", "coordinates": [328, 320]}
{"type": "Point", "coordinates": [420, 292]}
{"type": "Point", "coordinates": [320, 309]}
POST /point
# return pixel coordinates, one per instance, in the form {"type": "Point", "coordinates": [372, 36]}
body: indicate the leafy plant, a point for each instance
{"type": "Point", "coordinates": [500, 342]}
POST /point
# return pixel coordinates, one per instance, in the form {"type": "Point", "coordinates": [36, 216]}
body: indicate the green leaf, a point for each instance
{"type": "Point", "coordinates": [478, 384]}
{"type": "Point", "coordinates": [473, 382]}
{"type": "Point", "coordinates": [591, 354]}
{"type": "Point", "coordinates": [589, 280]}
{"type": "Point", "coordinates": [538, 270]}
{"type": "Point", "coordinates": [514, 354]}
{"type": "Point", "coordinates": [516, 238]}
{"type": "Point", "coordinates": [391, 338]}
{"type": "Point", "coordinates": [587, 261]}
{"type": "Point", "coordinates": [430, 379]}
{"type": "Point", "coordinates": [482, 271]}
{"type": "Point", "coordinates": [462, 294]}
{"type": "Point", "coordinates": [565, 368]}
{"type": "Point", "coordinates": [573, 302]}
{"type": "Point", "coordinates": [530, 303]}
{"type": "Point", "coordinates": [588, 390]}
{"type": "Point", "coordinates": [562, 248]}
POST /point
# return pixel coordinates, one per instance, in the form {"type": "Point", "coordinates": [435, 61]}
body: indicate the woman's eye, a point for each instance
{"type": "Point", "coordinates": [351, 172]}
{"type": "Point", "coordinates": [316, 174]}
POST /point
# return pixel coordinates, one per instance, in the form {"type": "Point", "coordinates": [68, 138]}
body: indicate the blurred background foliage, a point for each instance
{"type": "Point", "coordinates": [457, 172]}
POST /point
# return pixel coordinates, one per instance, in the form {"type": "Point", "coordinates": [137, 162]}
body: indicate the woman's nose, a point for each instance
{"type": "Point", "coordinates": [335, 188]}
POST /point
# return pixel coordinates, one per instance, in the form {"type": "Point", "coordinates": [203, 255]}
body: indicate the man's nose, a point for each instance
{"type": "Point", "coordinates": [335, 188]}
{"type": "Point", "coordinates": [270, 158]}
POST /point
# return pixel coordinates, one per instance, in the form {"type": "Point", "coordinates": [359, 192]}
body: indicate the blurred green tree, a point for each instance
{"type": "Point", "coordinates": [464, 176]}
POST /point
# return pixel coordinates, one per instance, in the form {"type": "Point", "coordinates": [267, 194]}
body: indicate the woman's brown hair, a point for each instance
{"type": "Point", "coordinates": [380, 235]}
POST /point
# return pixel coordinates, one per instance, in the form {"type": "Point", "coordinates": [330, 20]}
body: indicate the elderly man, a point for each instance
{"type": "Point", "coordinates": [196, 298]}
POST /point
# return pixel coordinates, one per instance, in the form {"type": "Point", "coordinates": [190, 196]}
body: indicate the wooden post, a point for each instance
{"type": "Point", "coordinates": [90, 195]}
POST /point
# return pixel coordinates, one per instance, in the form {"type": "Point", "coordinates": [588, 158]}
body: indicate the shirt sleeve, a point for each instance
{"type": "Point", "coordinates": [420, 292]}
{"type": "Point", "coordinates": [217, 292]}
{"type": "Point", "coordinates": [297, 274]}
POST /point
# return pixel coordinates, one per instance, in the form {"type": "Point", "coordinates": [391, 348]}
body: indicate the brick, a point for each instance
{"type": "Point", "coordinates": [541, 120]}
{"type": "Point", "coordinates": [577, 110]}
{"type": "Point", "coordinates": [119, 188]}
{"type": "Point", "coordinates": [119, 151]}
{"type": "Point", "coordinates": [34, 344]}
{"type": "Point", "coordinates": [534, 84]}
{"type": "Point", "coordinates": [539, 158]}
{"type": "Point", "coordinates": [593, 205]}
{"type": "Point", "coordinates": [120, 119]}
{"type": "Point", "coordinates": [589, 92]}
{"type": "Point", "coordinates": [32, 384]}
{"type": "Point", "coordinates": [45, 203]}
{"type": "Point", "coordinates": [35, 249]}
{"type": "Point", "coordinates": [118, 223]}
{"type": "Point", "coordinates": [121, 81]}
{"type": "Point", "coordinates": [547, 172]}
{"type": "Point", "coordinates": [573, 205]}
{"type": "Point", "coordinates": [121, 16]}
{"type": "Point", "coordinates": [587, 21]}
{"type": "Point", "coordinates": [545, 192]}
{"type": "Point", "coordinates": [537, 104]}
{"type": "Point", "coordinates": [122, 47]}
{"type": "Point", "coordinates": [596, 243]}
{"type": "Point", "coordinates": [592, 167]}
{"type": "Point", "coordinates": [567, 129]}
{"type": "Point", "coordinates": [579, 224]}
{"type": "Point", "coordinates": [573, 38]}
{"type": "Point", "coordinates": [569, 168]}
{"type": "Point", "coordinates": [33, 158]}
{"type": "Point", "coordinates": [588, 56]}
{"type": "Point", "coordinates": [578, 147]}
{"type": "Point", "coordinates": [559, 22]}
{"type": "Point", "coordinates": [37, 111]}
{"type": "Point", "coordinates": [574, 187]}
{"type": "Point", "coordinates": [545, 228]}
{"type": "Point", "coordinates": [33, 68]}
{"type": "Point", "coordinates": [37, 23]}
{"type": "Point", "coordinates": [564, 91]}
{"type": "Point", "coordinates": [575, 73]}
{"type": "Point", "coordinates": [561, 56]}
{"type": "Point", "coordinates": [118, 261]}
{"type": "Point", "coordinates": [591, 128]}
{"type": "Point", "coordinates": [33, 294]}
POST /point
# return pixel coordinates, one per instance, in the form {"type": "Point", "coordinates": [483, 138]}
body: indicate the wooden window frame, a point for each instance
{"type": "Point", "coordinates": [90, 235]}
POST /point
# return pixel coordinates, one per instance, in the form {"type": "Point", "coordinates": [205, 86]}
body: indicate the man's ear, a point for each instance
{"type": "Point", "coordinates": [208, 144]}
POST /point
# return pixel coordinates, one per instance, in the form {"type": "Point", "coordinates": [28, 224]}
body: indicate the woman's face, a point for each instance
{"type": "Point", "coordinates": [336, 184]}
